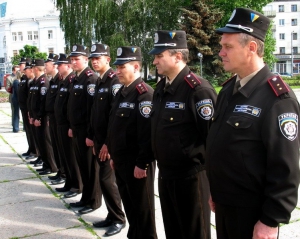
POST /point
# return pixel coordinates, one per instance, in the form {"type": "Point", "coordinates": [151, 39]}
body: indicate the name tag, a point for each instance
{"type": "Point", "coordinates": [175, 105]}
{"type": "Point", "coordinates": [247, 109]}
{"type": "Point", "coordinates": [54, 86]}
{"type": "Point", "coordinates": [127, 105]}
{"type": "Point", "coordinates": [102, 90]}
{"type": "Point", "coordinates": [64, 89]}
{"type": "Point", "coordinates": [78, 86]}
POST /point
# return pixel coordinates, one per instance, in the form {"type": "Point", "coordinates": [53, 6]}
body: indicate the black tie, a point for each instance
{"type": "Point", "coordinates": [167, 86]}
{"type": "Point", "coordinates": [237, 85]}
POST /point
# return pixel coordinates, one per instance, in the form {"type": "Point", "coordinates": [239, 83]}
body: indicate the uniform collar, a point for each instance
{"type": "Point", "coordinates": [178, 79]}
{"type": "Point", "coordinates": [104, 76]}
{"type": "Point", "coordinates": [126, 90]}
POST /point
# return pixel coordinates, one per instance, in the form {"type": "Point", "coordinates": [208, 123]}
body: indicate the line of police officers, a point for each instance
{"type": "Point", "coordinates": [85, 125]}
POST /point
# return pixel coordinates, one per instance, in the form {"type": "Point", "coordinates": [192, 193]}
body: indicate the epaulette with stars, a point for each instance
{"type": "Point", "coordinates": [111, 74]}
{"type": "Point", "coordinates": [42, 80]}
{"type": "Point", "coordinates": [71, 78]}
{"type": "Point", "coordinates": [141, 88]}
{"type": "Point", "coordinates": [224, 83]}
{"type": "Point", "coordinates": [278, 86]}
{"type": "Point", "coordinates": [192, 80]}
{"type": "Point", "coordinates": [89, 73]}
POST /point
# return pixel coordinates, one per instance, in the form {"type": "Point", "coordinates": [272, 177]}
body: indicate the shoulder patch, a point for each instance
{"type": "Point", "coordinates": [142, 88]}
{"type": "Point", "coordinates": [111, 74]}
{"type": "Point", "coordinates": [224, 83]}
{"type": "Point", "coordinates": [89, 73]}
{"type": "Point", "coordinates": [278, 85]}
{"type": "Point", "coordinates": [192, 80]}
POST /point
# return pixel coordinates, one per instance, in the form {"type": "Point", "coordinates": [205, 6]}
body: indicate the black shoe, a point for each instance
{"type": "Point", "coordinates": [77, 204]}
{"type": "Point", "coordinates": [30, 157]}
{"type": "Point", "coordinates": [55, 176]}
{"type": "Point", "coordinates": [42, 169]}
{"type": "Point", "coordinates": [62, 190]}
{"type": "Point", "coordinates": [70, 194]}
{"type": "Point", "coordinates": [85, 210]}
{"type": "Point", "coordinates": [45, 172]}
{"type": "Point", "coordinates": [26, 154]}
{"type": "Point", "coordinates": [105, 223]}
{"type": "Point", "coordinates": [36, 161]}
{"type": "Point", "coordinates": [38, 164]}
{"type": "Point", "coordinates": [58, 181]}
{"type": "Point", "coordinates": [114, 229]}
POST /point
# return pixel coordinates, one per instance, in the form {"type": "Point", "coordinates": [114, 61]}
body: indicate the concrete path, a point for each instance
{"type": "Point", "coordinates": [31, 208]}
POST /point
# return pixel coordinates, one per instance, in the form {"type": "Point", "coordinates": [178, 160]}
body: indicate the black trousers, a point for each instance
{"type": "Point", "coordinates": [138, 200]}
{"type": "Point", "coordinates": [110, 192]}
{"type": "Point", "coordinates": [55, 143]}
{"type": "Point", "coordinates": [72, 173]}
{"type": "Point", "coordinates": [44, 145]}
{"type": "Point", "coordinates": [89, 169]}
{"type": "Point", "coordinates": [28, 131]}
{"type": "Point", "coordinates": [185, 208]}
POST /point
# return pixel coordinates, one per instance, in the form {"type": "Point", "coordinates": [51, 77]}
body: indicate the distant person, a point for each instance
{"type": "Point", "coordinates": [15, 102]}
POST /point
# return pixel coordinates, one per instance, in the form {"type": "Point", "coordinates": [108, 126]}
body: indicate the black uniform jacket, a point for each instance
{"type": "Point", "coordinates": [81, 98]}
{"type": "Point", "coordinates": [51, 95]}
{"type": "Point", "coordinates": [180, 119]}
{"type": "Point", "coordinates": [38, 97]}
{"type": "Point", "coordinates": [30, 91]}
{"type": "Point", "coordinates": [129, 133]}
{"type": "Point", "coordinates": [23, 92]}
{"type": "Point", "coordinates": [106, 90]}
{"type": "Point", "coordinates": [61, 101]}
{"type": "Point", "coordinates": [253, 148]}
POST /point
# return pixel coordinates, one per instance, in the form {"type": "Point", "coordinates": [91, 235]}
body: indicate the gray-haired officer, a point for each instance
{"type": "Point", "coordinates": [183, 104]}
{"type": "Point", "coordinates": [129, 144]}
{"type": "Point", "coordinates": [79, 109]}
{"type": "Point", "coordinates": [253, 143]}
{"type": "Point", "coordinates": [107, 86]}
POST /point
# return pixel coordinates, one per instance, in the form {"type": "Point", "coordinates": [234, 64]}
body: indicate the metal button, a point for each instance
{"type": "Point", "coordinates": [101, 98]}
{"type": "Point", "coordinates": [236, 124]}
{"type": "Point", "coordinates": [75, 93]}
{"type": "Point", "coordinates": [280, 88]}
{"type": "Point", "coordinates": [122, 114]}
{"type": "Point", "coordinates": [171, 118]}
{"type": "Point", "coordinates": [212, 119]}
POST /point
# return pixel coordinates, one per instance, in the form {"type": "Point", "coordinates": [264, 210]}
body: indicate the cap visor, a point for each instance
{"type": "Point", "coordinates": [228, 30]}
{"type": "Point", "coordinates": [158, 50]}
{"type": "Point", "coordinates": [120, 62]}
{"type": "Point", "coordinates": [76, 54]}
{"type": "Point", "coordinates": [97, 55]}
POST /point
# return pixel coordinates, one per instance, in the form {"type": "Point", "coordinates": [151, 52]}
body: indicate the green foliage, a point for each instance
{"type": "Point", "coordinates": [28, 52]}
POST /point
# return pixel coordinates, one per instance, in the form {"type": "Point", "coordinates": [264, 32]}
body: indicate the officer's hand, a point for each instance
{"type": "Point", "coordinates": [48, 123]}
{"type": "Point", "coordinates": [139, 173]}
{"type": "Point", "coordinates": [211, 204]}
{"type": "Point", "coordinates": [70, 133]}
{"type": "Point", "coordinates": [37, 123]}
{"type": "Point", "coordinates": [89, 142]}
{"type": "Point", "coordinates": [111, 162]}
{"type": "Point", "coordinates": [262, 231]}
{"type": "Point", "coordinates": [103, 154]}
{"type": "Point", "coordinates": [31, 121]}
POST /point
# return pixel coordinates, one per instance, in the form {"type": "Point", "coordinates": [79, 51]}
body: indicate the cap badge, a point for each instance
{"type": "Point", "coordinates": [93, 48]}
{"type": "Point", "coordinates": [232, 15]}
{"type": "Point", "coordinates": [254, 17]}
{"type": "Point", "coordinates": [119, 51]}
{"type": "Point", "coordinates": [74, 48]}
{"type": "Point", "coordinates": [105, 47]}
{"type": "Point", "coordinates": [155, 38]}
{"type": "Point", "coordinates": [133, 49]}
{"type": "Point", "coordinates": [172, 34]}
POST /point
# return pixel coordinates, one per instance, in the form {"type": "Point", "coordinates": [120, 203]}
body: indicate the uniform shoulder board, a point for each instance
{"type": "Point", "coordinates": [71, 78]}
{"type": "Point", "coordinates": [278, 85]}
{"type": "Point", "coordinates": [192, 80]}
{"type": "Point", "coordinates": [89, 73]}
{"type": "Point", "coordinates": [224, 83]}
{"type": "Point", "coordinates": [42, 80]}
{"type": "Point", "coordinates": [111, 74]}
{"type": "Point", "coordinates": [142, 88]}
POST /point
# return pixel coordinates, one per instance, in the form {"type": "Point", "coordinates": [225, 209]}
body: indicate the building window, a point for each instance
{"type": "Point", "coordinates": [35, 35]}
{"type": "Point", "coordinates": [29, 34]}
{"type": "Point", "coordinates": [15, 52]}
{"type": "Point", "coordinates": [295, 50]}
{"type": "Point", "coordinates": [51, 50]}
{"type": "Point", "coordinates": [294, 22]}
{"type": "Point", "coordinates": [294, 8]}
{"type": "Point", "coordinates": [281, 22]}
{"type": "Point", "coordinates": [281, 8]}
{"type": "Point", "coordinates": [4, 41]}
{"type": "Point", "coordinates": [50, 34]}
{"type": "Point", "coordinates": [281, 36]}
{"type": "Point", "coordinates": [20, 36]}
{"type": "Point", "coordinates": [295, 36]}
{"type": "Point", "coordinates": [14, 36]}
{"type": "Point", "coordinates": [282, 50]}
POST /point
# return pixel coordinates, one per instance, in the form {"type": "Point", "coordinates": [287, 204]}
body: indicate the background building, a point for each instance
{"type": "Point", "coordinates": [286, 30]}
{"type": "Point", "coordinates": [29, 22]}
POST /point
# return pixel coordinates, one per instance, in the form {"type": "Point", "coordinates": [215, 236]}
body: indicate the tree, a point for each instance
{"type": "Point", "coordinates": [28, 52]}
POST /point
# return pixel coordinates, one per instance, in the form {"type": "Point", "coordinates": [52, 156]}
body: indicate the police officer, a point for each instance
{"type": "Point", "coordinates": [73, 183]}
{"type": "Point", "coordinates": [39, 118]}
{"type": "Point", "coordinates": [183, 104]}
{"type": "Point", "coordinates": [22, 98]}
{"type": "Point", "coordinates": [130, 145]}
{"type": "Point", "coordinates": [253, 144]}
{"type": "Point", "coordinates": [107, 86]}
{"type": "Point", "coordinates": [79, 108]}
{"type": "Point", "coordinates": [51, 70]}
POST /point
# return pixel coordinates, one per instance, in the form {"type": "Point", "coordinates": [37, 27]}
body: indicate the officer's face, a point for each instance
{"type": "Point", "coordinates": [49, 67]}
{"type": "Point", "coordinates": [100, 63]}
{"type": "Point", "coordinates": [22, 66]}
{"type": "Point", "coordinates": [29, 73]}
{"type": "Point", "coordinates": [63, 69]}
{"type": "Point", "coordinates": [78, 62]}
{"type": "Point", "coordinates": [235, 57]}
{"type": "Point", "coordinates": [126, 73]}
{"type": "Point", "coordinates": [165, 63]}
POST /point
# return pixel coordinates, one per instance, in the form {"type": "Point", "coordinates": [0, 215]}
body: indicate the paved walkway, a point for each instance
{"type": "Point", "coordinates": [31, 208]}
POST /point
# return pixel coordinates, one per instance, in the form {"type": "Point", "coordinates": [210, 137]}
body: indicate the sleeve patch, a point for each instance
{"type": "Point", "coordinates": [142, 88]}
{"type": "Point", "coordinates": [288, 124]}
{"type": "Point", "coordinates": [43, 90]}
{"type": "Point", "coordinates": [91, 89]}
{"type": "Point", "coordinates": [205, 109]}
{"type": "Point", "coordinates": [192, 80]}
{"type": "Point", "coordinates": [115, 88]}
{"type": "Point", "coordinates": [278, 85]}
{"type": "Point", "coordinates": [145, 108]}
